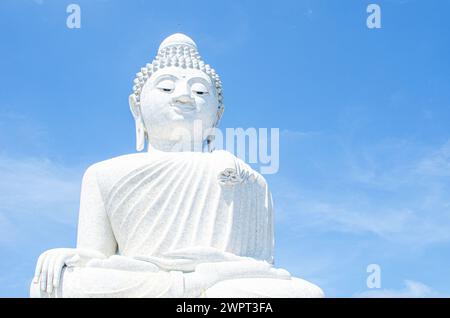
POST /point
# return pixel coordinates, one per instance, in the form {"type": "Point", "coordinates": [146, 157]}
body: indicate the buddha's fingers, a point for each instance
{"type": "Point", "coordinates": [50, 271]}
{"type": "Point", "coordinates": [37, 273]}
{"type": "Point", "coordinates": [44, 273]}
{"type": "Point", "coordinates": [57, 270]}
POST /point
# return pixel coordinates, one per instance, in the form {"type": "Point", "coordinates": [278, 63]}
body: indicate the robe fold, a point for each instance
{"type": "Point", "coordinates": [159, 203]}
{"type": "Point", "coordinates": [177, 224]}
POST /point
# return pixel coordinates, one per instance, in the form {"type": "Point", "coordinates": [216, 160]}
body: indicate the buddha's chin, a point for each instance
{"type": "Point", "coordinates": [184, 116]}
{"type": "Point", "coordinates": [176, 130]}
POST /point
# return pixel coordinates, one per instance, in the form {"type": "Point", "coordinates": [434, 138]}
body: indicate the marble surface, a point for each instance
{"type": "Point", "coordinates": [177, 220]}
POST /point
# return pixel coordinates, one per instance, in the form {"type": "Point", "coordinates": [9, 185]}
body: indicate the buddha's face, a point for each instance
{"type": "Point", "coordinates": [175, 99]}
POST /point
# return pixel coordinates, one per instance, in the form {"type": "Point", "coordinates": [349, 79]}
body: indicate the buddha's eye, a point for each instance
{"type": "Point", "coordinates": [166, 86]}
{"type": "Point", "coordinates": [199, 89]}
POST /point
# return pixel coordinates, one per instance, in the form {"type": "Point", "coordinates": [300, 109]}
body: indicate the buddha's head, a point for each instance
{"type": "Point", "coordinates": [175, 95]}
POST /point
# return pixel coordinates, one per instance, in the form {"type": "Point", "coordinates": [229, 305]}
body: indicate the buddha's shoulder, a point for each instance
{"type": "Point", "coordinates": [119, 163]}
{"type": "Point", "coordinates": [220, 160]}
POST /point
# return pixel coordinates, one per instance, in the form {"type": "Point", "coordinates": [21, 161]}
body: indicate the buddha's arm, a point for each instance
{"type": "Point", "coordinates": [95, 237]}
{"type": "Point", "coordinates": [94, 228]}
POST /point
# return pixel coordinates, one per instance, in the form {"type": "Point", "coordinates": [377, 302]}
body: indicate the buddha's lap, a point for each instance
{"type": "Point", "coordinates": [101, 282]}
{"type": "Point", "coordinates": [264, 287]}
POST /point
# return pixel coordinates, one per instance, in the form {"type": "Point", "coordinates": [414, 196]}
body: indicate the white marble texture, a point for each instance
{"type": "Point", "coordinates": [174, 221]}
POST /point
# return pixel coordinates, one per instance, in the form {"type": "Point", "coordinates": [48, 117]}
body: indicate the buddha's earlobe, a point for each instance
{"type": "Point", "coordinates": [140, 136]}
{"type": "Point", "coordinates": [140, 128]}
{"type": "Point", "coordinates": [210, 143]}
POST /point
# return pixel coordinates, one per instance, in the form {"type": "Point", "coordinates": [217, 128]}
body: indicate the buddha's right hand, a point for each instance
{"type": "Point", "coordinates": [51, 263]}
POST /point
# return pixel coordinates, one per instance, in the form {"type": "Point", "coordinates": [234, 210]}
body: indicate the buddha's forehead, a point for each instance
{"type": "Point", "coordinates": [180, 73]}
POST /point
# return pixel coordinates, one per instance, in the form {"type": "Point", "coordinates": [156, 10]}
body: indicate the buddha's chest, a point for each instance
{"type": "Point", "coordinates": [172, 182]}
{"type": "Point", "coordinates": [172, 202]}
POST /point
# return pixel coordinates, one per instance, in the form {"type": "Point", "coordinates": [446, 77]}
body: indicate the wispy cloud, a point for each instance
{"type": "Point", "coordinates": [35, 181]}
{"type": "Point", "coordinates": [412, 289]}
{"type": "Point", "coordinates": [401, 198]}
{"type": "Point", "coordinates": [437, 163]}
{"type": "Point", "coordinates": [38, 199]}
{"type": "Point", "coordinates": [290, 134]}
{"type": "Point", "coordinates": [38, 191]}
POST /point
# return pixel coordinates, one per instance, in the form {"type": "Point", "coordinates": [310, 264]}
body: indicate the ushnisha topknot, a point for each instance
{"type": "Point", "coordinates": [178, 50]}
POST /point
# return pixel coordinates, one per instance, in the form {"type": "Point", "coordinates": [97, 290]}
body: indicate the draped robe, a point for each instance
{"type": "Point", "coordinates": [169, 219]}
{"type": "Point", "coordinates": [161, 202]}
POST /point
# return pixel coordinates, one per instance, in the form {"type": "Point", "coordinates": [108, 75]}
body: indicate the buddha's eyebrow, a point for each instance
{"type": "Point", "coordinates": [165, 76]}
{"type": "Point", "coordinates": [200, 79]}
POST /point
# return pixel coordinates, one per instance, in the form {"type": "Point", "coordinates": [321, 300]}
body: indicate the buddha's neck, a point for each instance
{"type": "Point", "coordinates": [174, 146]}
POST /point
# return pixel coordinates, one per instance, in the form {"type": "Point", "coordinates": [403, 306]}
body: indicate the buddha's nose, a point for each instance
{"type": "Point", "coordinates": [184, 99]}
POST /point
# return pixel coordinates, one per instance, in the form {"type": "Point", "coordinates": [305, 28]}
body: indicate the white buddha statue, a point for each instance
{"type": "Point", "coordinates": [176, 221]}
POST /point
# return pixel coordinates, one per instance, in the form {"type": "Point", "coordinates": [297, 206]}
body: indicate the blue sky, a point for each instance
{"type": "Point", "coordinates": [364, 119]}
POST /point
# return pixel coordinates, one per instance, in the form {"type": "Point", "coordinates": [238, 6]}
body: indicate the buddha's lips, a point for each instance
{"type": "Point", "coordinates": [183, 108]}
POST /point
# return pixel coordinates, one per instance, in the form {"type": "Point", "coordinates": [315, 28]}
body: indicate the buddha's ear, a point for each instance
{"type": "Point", "coordinates": [140, 130]}
{"type": "Point", "coordinates": [134, 106]}
{"type": "Point", "coordinates": [219, 115]}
